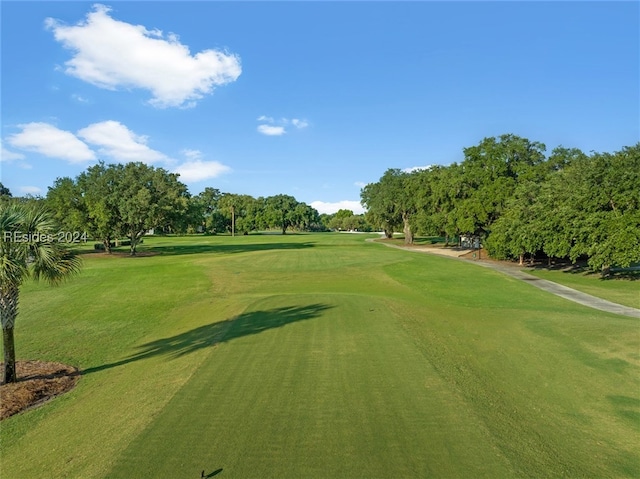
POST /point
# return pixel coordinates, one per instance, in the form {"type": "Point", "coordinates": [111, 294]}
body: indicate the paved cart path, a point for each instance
{"type": "Point", "coordinates": [554, 288]}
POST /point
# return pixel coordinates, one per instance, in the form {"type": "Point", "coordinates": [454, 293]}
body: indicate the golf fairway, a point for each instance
{"type": "Point", "coordinates": [321, 356]}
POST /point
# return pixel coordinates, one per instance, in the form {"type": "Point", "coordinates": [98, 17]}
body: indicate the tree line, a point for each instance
{"type": "Point", "coordinates": [115, 201]}
{"type": "Point", "coordinates": [519, 202]}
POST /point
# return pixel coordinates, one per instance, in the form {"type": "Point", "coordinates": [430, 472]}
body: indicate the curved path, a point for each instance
{"type": "Point", "coordinates": [554, 288]}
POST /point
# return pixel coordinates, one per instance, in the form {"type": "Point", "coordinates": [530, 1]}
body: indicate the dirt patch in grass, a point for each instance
{"type": "Point", "coordinates": [38, 382]}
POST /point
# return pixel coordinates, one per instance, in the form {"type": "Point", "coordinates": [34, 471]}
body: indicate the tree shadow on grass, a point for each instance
{"type": "Point", "coordinates": [631, 273]}
{"type": "Point", "coordinates": [222, 248]}
{"type": "Point", "coordinates": [212, 334]}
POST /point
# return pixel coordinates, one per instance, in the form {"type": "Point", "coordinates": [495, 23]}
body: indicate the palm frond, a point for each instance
{"type": "Point", "coordinates": [28, 246]}
{"type": "Point", "coordinates": [57, 265]}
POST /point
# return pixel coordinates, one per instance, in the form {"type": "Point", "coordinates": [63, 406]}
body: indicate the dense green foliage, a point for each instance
{"type": "Point", "coordinates": [323, 356]}
{"type": "Point", "coordinates": [392, 202]}
{"type": "Point", "coordinates": [4, 192]}
{"type": "Point", "coordinates": [505, 191]}
{"type": "Point", "coordinates": [112, 201]}
{"type": "Point", "coordinates": [346, 220]}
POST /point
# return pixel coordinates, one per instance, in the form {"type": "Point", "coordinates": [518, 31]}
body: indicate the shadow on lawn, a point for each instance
{"type": "Point", "coordinates": [211, 334]}
{"type": "Point", "coordinates": [581, 269]}
{"type": "Point", "coordinates": [223, 248]}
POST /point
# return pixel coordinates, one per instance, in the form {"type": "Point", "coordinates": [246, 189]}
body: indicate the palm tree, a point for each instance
{"type": "Point", "coordinates": [29, 248]}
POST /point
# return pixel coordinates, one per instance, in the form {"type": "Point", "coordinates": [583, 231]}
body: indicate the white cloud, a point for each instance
{"type": "Point", "coordinates": [299, 123]}
{"type": "Point", "coordinates": [272, 127]}
{"type": "Point", "coordinates": [7, 156]}
{"type": "Point", "coordinates": [417, 168]}
{"type": "Point", "coordinates": [112, 54]}
{"type": "Point", "coordinates": [198, 170]}
{"type": "Point", "coordinates": [192, 154]}
{"type": "Point", "coordinates": [29, 190]}
{"type": "Point", "coordinates": [50, 141]}
{"type": "Point", "coordinates": [112, 139]}
{"type": "Point", "coordinates": [79, 99]}
{"type": "Point", "coordinates": [330, 208]}
{"type": "Point", "coordinates": [271, 130]}
{"type": "Point", "coordinates": [119, 143]}
{"type": "Point", "coordinates": [360, 184]}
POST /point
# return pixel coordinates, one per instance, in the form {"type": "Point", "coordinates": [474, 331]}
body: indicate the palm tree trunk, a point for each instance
{"type": "Point", "coordinates": [9, 295]}
{"type": "Point", "coordinates": [9, 356]}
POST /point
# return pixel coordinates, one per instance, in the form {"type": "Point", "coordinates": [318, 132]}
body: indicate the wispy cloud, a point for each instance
{"type": "Point", "coordinates": [192, 154]}
{"type": "Point", "coordinates": [117, 142]}
{"type": "Point", "coordinates": [79, 99]}
{"type": "Point", "coordinates": [17, 159]}
{"type": "Point", "coordinates": [360, 184]}
{"type": "Point", "coordinates": [113, 54]}
{"type": "Point", "coordinates": [52, 142]}
{"type": "Point", "coordinates": [273, 127]}
{"type": "Point", "coordinates": [198, 170]}
{"type": "Point", "coordinates": [330, 208]}
{"type": "Point", "coordinates": [271, 130]}
{"type": "Point", "coordinates": [7, 156]}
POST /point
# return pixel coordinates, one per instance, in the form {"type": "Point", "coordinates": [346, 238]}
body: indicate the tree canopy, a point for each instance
{"type": "Point", "coordinates": [521, 203]}
{"type": "Point", "coordinates": [110, 201]}
{"type": "Point", "coordinates": [4, 191]}
{"type": "Point", "coordinates": [114, 201]}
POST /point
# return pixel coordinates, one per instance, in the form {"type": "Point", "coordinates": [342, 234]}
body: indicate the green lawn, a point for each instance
{"type": "Point", "coordinates": [619, 290]}
{"type": "Point", "coordinates": [312, 356]}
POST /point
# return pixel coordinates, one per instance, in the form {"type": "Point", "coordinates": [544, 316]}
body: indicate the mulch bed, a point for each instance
{"type": "Point", "coordinates": [38, 382]}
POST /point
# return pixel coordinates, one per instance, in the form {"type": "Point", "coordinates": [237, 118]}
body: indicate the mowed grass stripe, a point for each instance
{"type": "Point", "coordinates": [78, 434]}
{"type": "Point", "coordinates": [548, 381]}
{"type": "Point", "coordinates": [344, 393]}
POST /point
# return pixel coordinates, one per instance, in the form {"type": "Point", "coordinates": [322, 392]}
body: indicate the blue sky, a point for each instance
{"type": "Point", "coordinates": [310, 99]}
